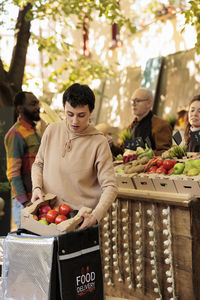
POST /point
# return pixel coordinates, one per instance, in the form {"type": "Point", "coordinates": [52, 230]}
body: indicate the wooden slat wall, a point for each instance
{"type": "Point", "coordinates": [119, 237]}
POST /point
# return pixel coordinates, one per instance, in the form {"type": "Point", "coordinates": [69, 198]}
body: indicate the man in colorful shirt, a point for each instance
{"type": "Point", "coordinates": [22, 144]}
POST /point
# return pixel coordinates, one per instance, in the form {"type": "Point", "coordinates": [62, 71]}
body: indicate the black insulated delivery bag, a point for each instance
{"type": "Point", "coordinates": [79, 265]}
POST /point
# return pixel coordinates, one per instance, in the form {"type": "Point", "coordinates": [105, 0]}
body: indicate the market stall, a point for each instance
{"type": "Point", "coordinates": [151, 246]}
{"type": "Point", "coordinates": [150, 238]}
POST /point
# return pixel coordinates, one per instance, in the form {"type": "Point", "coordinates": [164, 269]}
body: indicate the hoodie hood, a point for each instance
{"type": "Point", "coordinates": [71, 135]}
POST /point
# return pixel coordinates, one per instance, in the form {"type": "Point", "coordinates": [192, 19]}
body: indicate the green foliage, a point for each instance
{"type": "Point", "coordinates": [171, 120]}
{"type": "Point", "coordinates": [61, 9]}
{"type": "Point", "coordinates": [2, 124]}
{"type": "Point", "coordinates": [2, 159]}
{"type": "Point", "coordinates": [55, 48]}
{"type": "Point", "coordinates": [83, 69]}
{"type": "Point", "coordinates": [4, 187]}
{"type": "Point", "coordinates": [192, 17]}
{"type": "Point", "coordinates": [125, 135]}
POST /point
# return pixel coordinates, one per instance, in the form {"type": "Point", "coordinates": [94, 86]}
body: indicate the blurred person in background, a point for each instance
{"type": "Point", "coordinates": [193, 124]}
{"type": "Point", "coordinates": [22, 144]}
{"type": "Point", "coordinates": [146, 124]}
{"type": "Point", "coordinates": [104, 128]}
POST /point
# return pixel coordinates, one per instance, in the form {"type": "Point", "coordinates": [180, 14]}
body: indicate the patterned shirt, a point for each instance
{"type": "Point", "coordinates": [22, 144]}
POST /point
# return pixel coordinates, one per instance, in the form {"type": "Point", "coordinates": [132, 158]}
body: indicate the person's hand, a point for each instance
{"type": "Point", "coordinates": [88, 220]}
{"type": "Point", "coordinates": [37, 195]}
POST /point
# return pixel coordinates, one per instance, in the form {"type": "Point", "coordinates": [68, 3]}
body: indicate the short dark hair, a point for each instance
{"type": "Point", "coordinates": [79, 95]}
{"type": "Point", "coordinates": [20, 98]}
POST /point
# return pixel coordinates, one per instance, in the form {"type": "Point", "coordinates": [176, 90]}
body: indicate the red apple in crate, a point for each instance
{"type": "Point", "coordinates": [64, 209]}
{"type": "Point", "coordinates": [51, 216]}
{"type": "Point", "coordinates": [168, 163]}
{"type": "Point", "coordinates": [60, 218]}
{"type": "Point", "coordinates": [42, 210]}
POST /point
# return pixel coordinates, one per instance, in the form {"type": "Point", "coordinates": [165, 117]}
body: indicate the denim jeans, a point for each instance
{"type": "Point", "coordinates": [16, 212]}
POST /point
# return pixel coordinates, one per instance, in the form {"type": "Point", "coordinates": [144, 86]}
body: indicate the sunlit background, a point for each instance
{"type": "Point", "coordinates": [156, 36]}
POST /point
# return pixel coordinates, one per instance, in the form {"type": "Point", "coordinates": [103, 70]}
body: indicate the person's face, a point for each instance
{"type": "Point", "coordinates": [194, 114]}
{"type": "Point", "coordinates": [140, 106]}
{"type": "Point", "coordinates": [31, 108]}
{"type": "Point", "coordinates": [77, 117]}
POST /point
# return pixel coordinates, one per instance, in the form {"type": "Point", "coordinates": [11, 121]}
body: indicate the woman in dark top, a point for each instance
{"type": "Point", "coordinates": [193, 126]}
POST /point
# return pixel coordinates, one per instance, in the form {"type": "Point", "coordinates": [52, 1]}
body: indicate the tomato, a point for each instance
{"type": "Point", "coordinates": [159, 162]}
{"type": "Point", "coordinates": [51, 215]}
{"type": "Point", "coordinates": [60, 218]}
{"type": "Point", "coordinates": [168, 163]}
{"type": "Point", "coordinates": [161, 170]}
{"type": "Point", "coordinates": [42, 210]}
{"type": "Point", "coordinates": [64, 209]}
{"type": "Point", "coordinates": [153, 169]}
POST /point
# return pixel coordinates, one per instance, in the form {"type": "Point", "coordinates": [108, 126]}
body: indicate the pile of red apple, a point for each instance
{"type": "Point", "coordinates": [48, 215]}
{"type": "Point", "coordinates": [162, 166]}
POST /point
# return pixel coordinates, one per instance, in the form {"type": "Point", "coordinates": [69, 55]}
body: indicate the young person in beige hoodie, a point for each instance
{"type": "Point", "coordinates": [74, 160]}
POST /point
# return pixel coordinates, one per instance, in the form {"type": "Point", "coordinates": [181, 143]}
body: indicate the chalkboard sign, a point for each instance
{"type": "Point", "coordinates": [148, 142]}
{"type": "Point", "coordinates": [132, 144]}
{"type": "Point", "coordinates": [177, 138]}
{"type": "Point", "coordinates": [151, 74]}
{"type": "Point", "coordinates": [195, 137]}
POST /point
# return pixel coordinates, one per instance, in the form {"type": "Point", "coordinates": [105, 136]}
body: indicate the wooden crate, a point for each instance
{"type": "Point", "coordinates": [125, 181]}
{"type": "Point", "coordinates": [188, 186]}
{"type": "Point", "coordinates": [143, 182]}
{"type": "Point", "coordinates": [164, 184]}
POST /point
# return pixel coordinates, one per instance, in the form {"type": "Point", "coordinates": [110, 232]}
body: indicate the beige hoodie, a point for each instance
{"type": "Point", "coordinates": [77, 167]}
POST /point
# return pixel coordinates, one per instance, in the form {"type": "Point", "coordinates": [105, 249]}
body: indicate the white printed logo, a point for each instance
{"type": "Point", "coordinates": [85, 283]}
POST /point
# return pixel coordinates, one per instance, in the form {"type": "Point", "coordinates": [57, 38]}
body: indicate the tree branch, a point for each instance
{"type": "Point", "coordinates": [22, 35]}
{"type": "Point", "coordinates": [2, 72]}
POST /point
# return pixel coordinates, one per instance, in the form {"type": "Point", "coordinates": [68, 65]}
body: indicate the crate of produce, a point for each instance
{"type": "Point", "coordinates": [188, 185]}
{"type": "Point", "coordinates": [125, 181]}
{"type": "Point", "coordinates": [164, 184]}
{"type": "Point", "coordinates": [30, 218]}
{"type": "Point", "coordinates": [144, 182]}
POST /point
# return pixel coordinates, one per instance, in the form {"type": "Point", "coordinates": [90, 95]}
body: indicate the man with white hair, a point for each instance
{"type": "Point", "coordinates": [146, 125]}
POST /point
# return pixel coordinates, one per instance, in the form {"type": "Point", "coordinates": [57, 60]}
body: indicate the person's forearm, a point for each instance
{"type": "Point", "coordinates": [107, 198]}
{"type": "Point", "coordinates": [36, 176]}
{"type": "Point", "coordinates": [18, 189]}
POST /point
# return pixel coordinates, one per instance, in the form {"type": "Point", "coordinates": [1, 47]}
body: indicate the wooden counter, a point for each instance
{"type": "Point", "coordinates": [151, 246]}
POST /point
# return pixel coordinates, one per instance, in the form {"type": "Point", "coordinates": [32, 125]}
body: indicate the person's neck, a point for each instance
{"type": "Point", "coordinates": [27, 120]}
{"type": "Point", "coordinates": [139, 118]}
{"type": "Point", "coordinates": [194, 128]}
